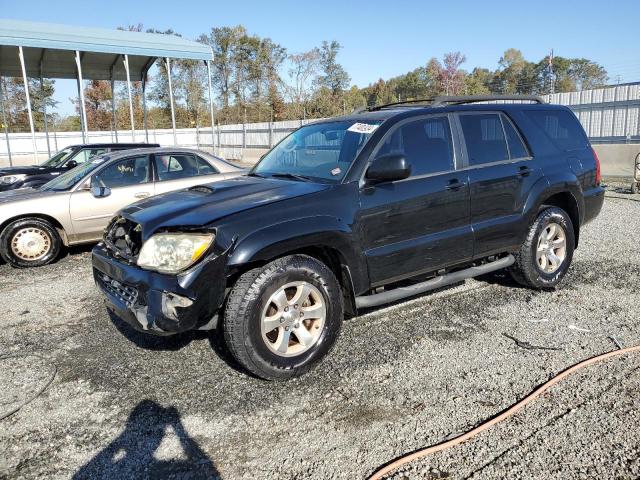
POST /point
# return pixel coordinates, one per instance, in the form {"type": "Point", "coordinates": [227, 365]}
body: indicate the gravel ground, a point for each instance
{"type": "Point", "coordinates": [124, 405]}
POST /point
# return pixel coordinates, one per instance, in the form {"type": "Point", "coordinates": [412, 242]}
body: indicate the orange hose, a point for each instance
{"type": "Point", "coordinates": [423, 452]}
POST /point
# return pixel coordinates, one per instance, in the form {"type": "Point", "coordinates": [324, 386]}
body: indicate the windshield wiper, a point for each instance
{"type": "Point", "coordinates": [254, 174]}
{"type": "Point", "coordinates": [294, 176]}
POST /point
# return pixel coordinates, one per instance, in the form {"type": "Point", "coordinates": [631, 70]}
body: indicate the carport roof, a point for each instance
{"type": "Point", "coordinates": [54, 46]}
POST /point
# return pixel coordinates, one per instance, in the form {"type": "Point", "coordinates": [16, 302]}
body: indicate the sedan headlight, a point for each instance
{"type": "Point", "coordinates": [173, 252]}
{"type": "Point", "coordinates": [11, 179]}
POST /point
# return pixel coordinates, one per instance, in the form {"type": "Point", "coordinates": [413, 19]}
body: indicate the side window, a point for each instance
{"type": "Point", "coordinates": [176, 166]}
{"type": "Point", "coordinates": [131, 171]}
{"type": "Point", "coordinates": [87, 154]}
{"type": "Point", "coordinates": [425, 144]}
{"type": "Point", "coordinates": [204, 167]}
{"type": "Point", "coordinates": [561, 127]}
{"type": "Point", "coordinates": [484, 138]}
{"type": "Point", "coordinates": [517, 149]}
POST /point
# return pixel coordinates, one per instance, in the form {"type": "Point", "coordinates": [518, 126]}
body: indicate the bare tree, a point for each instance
{"type": "Point", "coordinates": [302, 72]}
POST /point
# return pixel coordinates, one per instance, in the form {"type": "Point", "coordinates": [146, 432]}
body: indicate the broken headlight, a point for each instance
{"type": "Point", "coordinates": [173, 252]}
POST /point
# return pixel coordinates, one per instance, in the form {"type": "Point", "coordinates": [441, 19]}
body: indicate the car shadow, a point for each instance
{"type": "Point", "coordinates": [134, 453]}
{"type": "Point", "coordinates": [500, 277]}
{"type": "Point", "coordinates": [149, 341]}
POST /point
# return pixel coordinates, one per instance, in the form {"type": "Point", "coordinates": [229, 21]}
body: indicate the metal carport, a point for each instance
{"type": "Point", "coordinates": [35, 49]}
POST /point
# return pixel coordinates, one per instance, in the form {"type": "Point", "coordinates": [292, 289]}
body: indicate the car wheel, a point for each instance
{"type": "Point", "coordinates": [282, 318]}
{"type": "Point", "coordinates": [545, 256]}
{"type": "Point", "coordinates": [29, 242]}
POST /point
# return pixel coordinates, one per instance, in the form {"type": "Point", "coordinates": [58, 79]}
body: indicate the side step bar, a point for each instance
{"type": "Point", "coordinates": [366, 301]}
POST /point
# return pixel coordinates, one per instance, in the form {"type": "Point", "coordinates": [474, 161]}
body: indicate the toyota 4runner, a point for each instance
{"type": "Point", "coordinates": [350, 213]}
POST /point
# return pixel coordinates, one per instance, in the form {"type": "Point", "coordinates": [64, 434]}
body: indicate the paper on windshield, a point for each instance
{"type": "Point", "coordinates": [365, 128]}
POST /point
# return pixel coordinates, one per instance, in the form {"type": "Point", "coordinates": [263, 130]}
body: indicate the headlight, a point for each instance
{"type": "Point", "coordinates": [173, 252]}
{"type": "Point", "coordinates": [11, 179]}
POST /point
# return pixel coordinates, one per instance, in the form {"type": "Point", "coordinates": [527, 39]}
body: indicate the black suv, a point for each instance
{"type": "Point", "coordinates": [351, 213]}
{"type": "Point", "coordinates": [35, 176]}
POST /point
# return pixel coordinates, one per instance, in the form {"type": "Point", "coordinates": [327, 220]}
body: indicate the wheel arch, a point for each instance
{"type": "Point", "coordinates": [41, 216]}
{"type": "Point", "coordinates": [567, 202]}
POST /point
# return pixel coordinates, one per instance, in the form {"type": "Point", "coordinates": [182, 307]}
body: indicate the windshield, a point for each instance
{"type": "Point", "coordinates": [59, 158]}
{"type": "Point", "coordinates": [322, 151]}
{"type": "Point", "coordinates": [68, 179]}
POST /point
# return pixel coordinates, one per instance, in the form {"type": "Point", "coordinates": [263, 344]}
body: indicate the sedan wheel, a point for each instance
{"type": "Point", "coordinates": [31, 244]}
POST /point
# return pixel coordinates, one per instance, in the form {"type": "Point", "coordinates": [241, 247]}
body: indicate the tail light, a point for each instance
{"type": "Point", "coordinates": [598, 173]}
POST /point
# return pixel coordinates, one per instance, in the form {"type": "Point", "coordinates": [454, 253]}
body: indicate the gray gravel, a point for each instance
{"type": "Point", "coordinates": [124, 405]}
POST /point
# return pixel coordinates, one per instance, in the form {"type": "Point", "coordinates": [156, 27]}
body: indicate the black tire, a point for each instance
{"type": "Point", "coordinates": [247, 301]}
{"type": "Point", "coordinates": [51, 239]}
{"type": "Point", "coordinates": [526, 270]}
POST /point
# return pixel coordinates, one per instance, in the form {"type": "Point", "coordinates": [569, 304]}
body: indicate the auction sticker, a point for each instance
{"type": "Point", "coordinates": [362, 128]}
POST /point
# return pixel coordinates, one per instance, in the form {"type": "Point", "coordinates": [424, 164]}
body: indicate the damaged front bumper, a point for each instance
{"type": "Point", "coordinates": [158, 303]}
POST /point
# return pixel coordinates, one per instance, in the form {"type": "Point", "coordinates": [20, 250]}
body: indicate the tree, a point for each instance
{"type": "Point", "coordinates": [452, 76]}
{"type": "Point", "coordinates": [98, 98]}
{"type": "Point", "coordinates": [334, 76]}
{"type": "Point", "coordinates": [303, 70]}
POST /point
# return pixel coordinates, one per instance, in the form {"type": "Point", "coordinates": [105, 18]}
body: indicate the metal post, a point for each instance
{"type": "Point", "coordinates": [83, 110]}
{"type": "Point", "coordinates": [144, 107]}
{"type": "Point", "coordinates": [113, 100]}
{"type": "Point", "coordinates": [271, 130]}
{"type": "Point", "coordinates": [44, 105]}
{"type": "Point", "coordinates": [173, 113]}
{"type": "Point", "coordinates": [4, 121]}
{"type": "Point", "coordinates": [211, 104]}
{"type": "Point", "coordinates": [26, 92]}
{"type": "Point", "coordinates": [126, 68]}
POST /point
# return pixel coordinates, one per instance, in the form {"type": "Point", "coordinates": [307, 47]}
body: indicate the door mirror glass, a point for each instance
{"type": "Point", "coordinates": [71, 164]}
{"type": "Point", "coordinates": [100, 192]}
{"type": "Point", "coordinates": [388, 168]}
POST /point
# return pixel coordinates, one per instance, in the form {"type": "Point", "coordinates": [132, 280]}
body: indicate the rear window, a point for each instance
{"type": "Point", "coordinates": [484, 138]}
{"type": "Point", "coordinates": [561, 127]}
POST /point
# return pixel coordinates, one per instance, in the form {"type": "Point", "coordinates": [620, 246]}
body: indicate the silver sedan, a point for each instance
{"type": "Point", "coordinates": [75, 207]}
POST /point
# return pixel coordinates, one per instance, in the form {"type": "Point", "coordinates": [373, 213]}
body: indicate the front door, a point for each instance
{"type": "Point", "coordinates": [501, 174]}
{"type": "Point", "coordinates": [123, 182]}
{"type": "Point", "coordinates": [419, 224]}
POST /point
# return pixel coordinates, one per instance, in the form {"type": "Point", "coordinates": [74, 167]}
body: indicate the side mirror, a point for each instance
{"type": "Point", "coordinates": [71, 164]}
{"type": "Point", "coordinates": [100, 192]}
{"type": "Point", "coordinates": [388, 168]}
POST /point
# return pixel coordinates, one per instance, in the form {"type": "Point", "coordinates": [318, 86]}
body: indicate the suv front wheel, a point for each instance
{"type": "Point", "coordinates": [545, 256]}
{"type": "Point", "coordinates": [282, 318]}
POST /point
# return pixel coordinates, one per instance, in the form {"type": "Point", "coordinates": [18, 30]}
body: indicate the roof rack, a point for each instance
{"type": "Point", "coordinates": [450, 100]}
{"type": "Point", "coordinates": [374, 108]}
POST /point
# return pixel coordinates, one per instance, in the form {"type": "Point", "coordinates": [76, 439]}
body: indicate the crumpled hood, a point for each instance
{"type": "Point", "coordinates": [200, 207]}
{"type": "Point", "coordinates": [24, 194]}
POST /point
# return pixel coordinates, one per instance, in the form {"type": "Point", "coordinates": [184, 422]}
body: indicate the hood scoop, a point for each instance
{"type": "Point", "coordinates": [204, 189]}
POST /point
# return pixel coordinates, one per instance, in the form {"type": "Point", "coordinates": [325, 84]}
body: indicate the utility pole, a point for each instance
{"type": "Point", "coordinates": [551, 74]}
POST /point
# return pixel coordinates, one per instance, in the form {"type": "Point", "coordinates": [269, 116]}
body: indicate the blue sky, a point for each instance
{"type": "Point", "coordinates": [382, 39]}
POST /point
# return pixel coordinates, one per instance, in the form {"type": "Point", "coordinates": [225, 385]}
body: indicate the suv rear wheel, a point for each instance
{"type": "Point", "coordinates": [282, 318]}
{"type": "Point", "coordinates": [29, 242]}
{"type": "Point", "coordinates": [545, 255]}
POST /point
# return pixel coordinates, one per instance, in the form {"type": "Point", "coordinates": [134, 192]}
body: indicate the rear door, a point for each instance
{"type": "Point", "coordinates": [175, 171]}
{"type": "Point", "coordinates": [127, 181]}
{"type": "Point", "coordinates": [419, 224]}
{"type": "Point", "coordinates": [501, 174]}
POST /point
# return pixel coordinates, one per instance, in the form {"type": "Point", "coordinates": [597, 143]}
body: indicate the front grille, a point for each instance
{"type": "Point", "coordinates": [125, 293]}
{"type": "Point", "coordinates": [123, 238]}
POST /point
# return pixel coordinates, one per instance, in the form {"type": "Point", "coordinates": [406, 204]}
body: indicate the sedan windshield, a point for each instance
{"type": "Point", "coordinates": [322, 152]}
{"type": "Point", "coordinates": [59, 158]}
{"type": "Point", "coordinates": [68, 179]}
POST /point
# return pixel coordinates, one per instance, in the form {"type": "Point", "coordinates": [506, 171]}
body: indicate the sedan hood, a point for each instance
{"type": "Point", "coordinates": [24, 194]}
{"type": "Point", "coordinates": [206, 204]}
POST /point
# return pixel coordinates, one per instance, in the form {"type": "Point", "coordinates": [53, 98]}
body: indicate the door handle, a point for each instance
{"type": "Point", "coordinates": [142, 195]}
{"type": "Point", "coordinates": [524, 171]}
{"type": "Point", "coordinates": [455, 184]}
